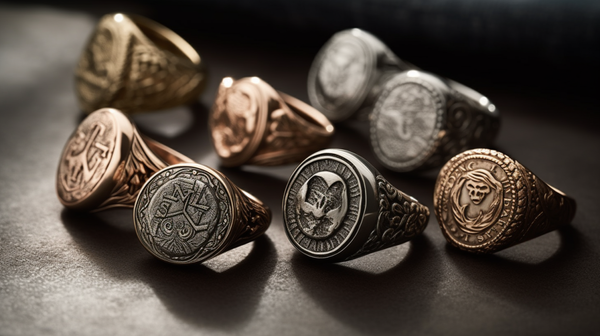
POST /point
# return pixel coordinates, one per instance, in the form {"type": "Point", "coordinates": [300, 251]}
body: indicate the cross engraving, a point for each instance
{"type": "Point", "coordinates": [82, 166]}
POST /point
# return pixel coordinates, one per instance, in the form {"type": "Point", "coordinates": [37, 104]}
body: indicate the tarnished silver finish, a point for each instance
{"type": "Point", "coordinates": [485, 202]}
{"type": "Point", "coordinates": [420, 121]}
{"type": "Point", "coordinates": [348, 72]}
{"type": "Point", "coordinates": [189, 213]}
{"type": "Point", "coordinates": [338, 207]}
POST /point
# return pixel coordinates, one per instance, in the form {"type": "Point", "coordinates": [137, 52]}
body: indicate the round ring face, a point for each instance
{"type": "Point", "coordinates": [406, 122]}
{"type": "Point", "coordinates": [477, 200]}
{"type": "Point", "coordinates": [323, 205]}
{"type": "Point", "coordinates": [183, 214]}
{"type": "Point", "coordinates": [86, 157]}
{"type": "Point", "coordinates": [342, 74]}
{"type": "Point", "coordinates": [234, 121]}
{"type": "Point", "coordinates": [96, 66]}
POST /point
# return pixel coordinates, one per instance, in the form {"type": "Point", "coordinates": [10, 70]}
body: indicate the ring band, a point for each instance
{"type": "Point", "coordinates": [251, 123]}
{"type": "Point", "coordinates": [485, 202]}
{"type": "Point", "coordinates": [337, 207]}
{"type": "Point", "coordinates": [348, 73]}
{"type": "Point", "coordinates": [189, 213]}
{"type": "Point", "coordinates": [106, 161]}
{"type": "Point", "coordinates": [420, 121]}
{"type": "Point", "coordinates": [135, 64]}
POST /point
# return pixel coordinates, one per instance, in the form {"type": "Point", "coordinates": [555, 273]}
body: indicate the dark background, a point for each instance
{"type": "Point", "coordinates": [65, 273]}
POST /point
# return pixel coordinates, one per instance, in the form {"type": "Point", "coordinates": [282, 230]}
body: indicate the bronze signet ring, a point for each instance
{"type": "Point", "coordinates": [485, 202]}
{"type": "Point", "coordinates": [106, 161]}
{"type": "Point", "coordinates": [135, 64]}
{"type": "Point", "coordinates": [251, 123]}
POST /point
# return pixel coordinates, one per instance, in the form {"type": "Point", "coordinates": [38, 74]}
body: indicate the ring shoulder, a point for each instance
{"type": "Point", "coordinates": [400, 218]}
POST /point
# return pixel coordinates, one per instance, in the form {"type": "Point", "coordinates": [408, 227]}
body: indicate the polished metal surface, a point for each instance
{"type": "Point", "coordinates": [485, 202]}
{"type": "Point", "coordinates": [338, 207]}
{"type": "Point", "coordinates": [251, 123]}
{"type": "Point", "coordinates": [65, 272]}
{"type": "Point", "coordinates": [135, 64]}
{"type": "Point", "coordinates": [420, 121]}
{"type": "Point", "coordinates": [347, 74]}
{"type": "Point", "coordinates": [189, 213]}
{"type": "Point", "coordinates": [106, 161]}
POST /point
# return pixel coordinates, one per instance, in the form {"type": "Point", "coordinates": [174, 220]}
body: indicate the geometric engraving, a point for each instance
{"type": "Point", "coordinates": [86, 156]}
{"type": "Point", "coordinates": [182, 214]}
{"type": "Point", "coordinates": [341, 75]}
{"type": "Point", "coordinates": [405, 126]}
{"type": "Point", "coordinates": [322, 205]}
{"type": "Point", "coordinates": [183, 208]}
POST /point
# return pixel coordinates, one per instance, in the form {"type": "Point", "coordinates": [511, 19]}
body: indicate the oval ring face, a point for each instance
{"type": "Point", "coordinates": [341, 75]}
{"type": "Point", "coordinates": [477, 200]}
{"type": "Point", "coordinates": [234, 120]}
{"type": "Point", "coordinates": [183, 214]}
{"type": "Point", "coordinates": [405, 124]}
{"type": "Point", "coordinates": [86, 157]}
{"type": "Point", "coordinates": [323, 205]}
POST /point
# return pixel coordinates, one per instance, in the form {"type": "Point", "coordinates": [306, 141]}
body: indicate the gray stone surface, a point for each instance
{"type": "Point", "coordinates": [63, 273]}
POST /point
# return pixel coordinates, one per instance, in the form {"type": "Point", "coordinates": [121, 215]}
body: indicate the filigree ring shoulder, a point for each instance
{"type": "Point", "coordinates": [135, 64]}
{"type": "Point", "coordinates": [106, 161]}
{"type": "Point", "coordinates": [189, 213]}
{"type": "Point", "coordinates": [485, 202]}
{"type": "Point", "coordinates": [251, 123]}
{"type": "Point", "coordinates": [337, 207]}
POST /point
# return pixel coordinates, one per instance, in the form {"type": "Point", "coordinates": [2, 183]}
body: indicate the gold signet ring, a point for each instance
{"type": "Point", "coordinates": [106, 161]}
{"type": "Point", "coordinates": [251, 123]}
{"type": "Point", "coordinates": [135, 64]}
{"type": "Point", "coordinates": [189, 213]}
{"type": "Point", "coordinates": [485, 202]}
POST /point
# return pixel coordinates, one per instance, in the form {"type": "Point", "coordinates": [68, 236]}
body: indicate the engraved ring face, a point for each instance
{"type": "Point", "coordinates": [86, 157]}
{"type": "Point", "coordinates": [405, 124]}
{"type": "Point", "coordinates": [477, 200]}
{"type": "Point", "coordinates": [340, 75]}
{"type": "Point", "coordinates": [183, 214]}
{"type": "Point", "coordinates": [235, 119]}
{"type": "Point", "coordinates": [323, 205]}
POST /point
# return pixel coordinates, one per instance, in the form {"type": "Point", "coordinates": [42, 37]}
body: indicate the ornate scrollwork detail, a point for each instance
{"type": "Point", "coordinates": [401, 217]}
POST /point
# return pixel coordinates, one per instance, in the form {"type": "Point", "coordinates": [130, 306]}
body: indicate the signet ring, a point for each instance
{"type": "Point", "coordinates": [485, 202]}
{"type": "Point", "coordinates": [106, 161]}
{"type": "Point", "coordinates": [338, 207]}
{"type": "Point", "coordinates": [134, 64]}
{"type": "Point", "coordinates": [188, 213]}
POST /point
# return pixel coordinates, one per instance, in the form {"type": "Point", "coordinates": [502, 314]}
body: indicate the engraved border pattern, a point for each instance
{"type": "Point", "coordinates": [439, 100]}
{"type": "Point", "coordinates": [400, 218]}
{"type": "Point", "coordinates": [351, 220]}
{"type": "Point", "coordinates": [518, 193]}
